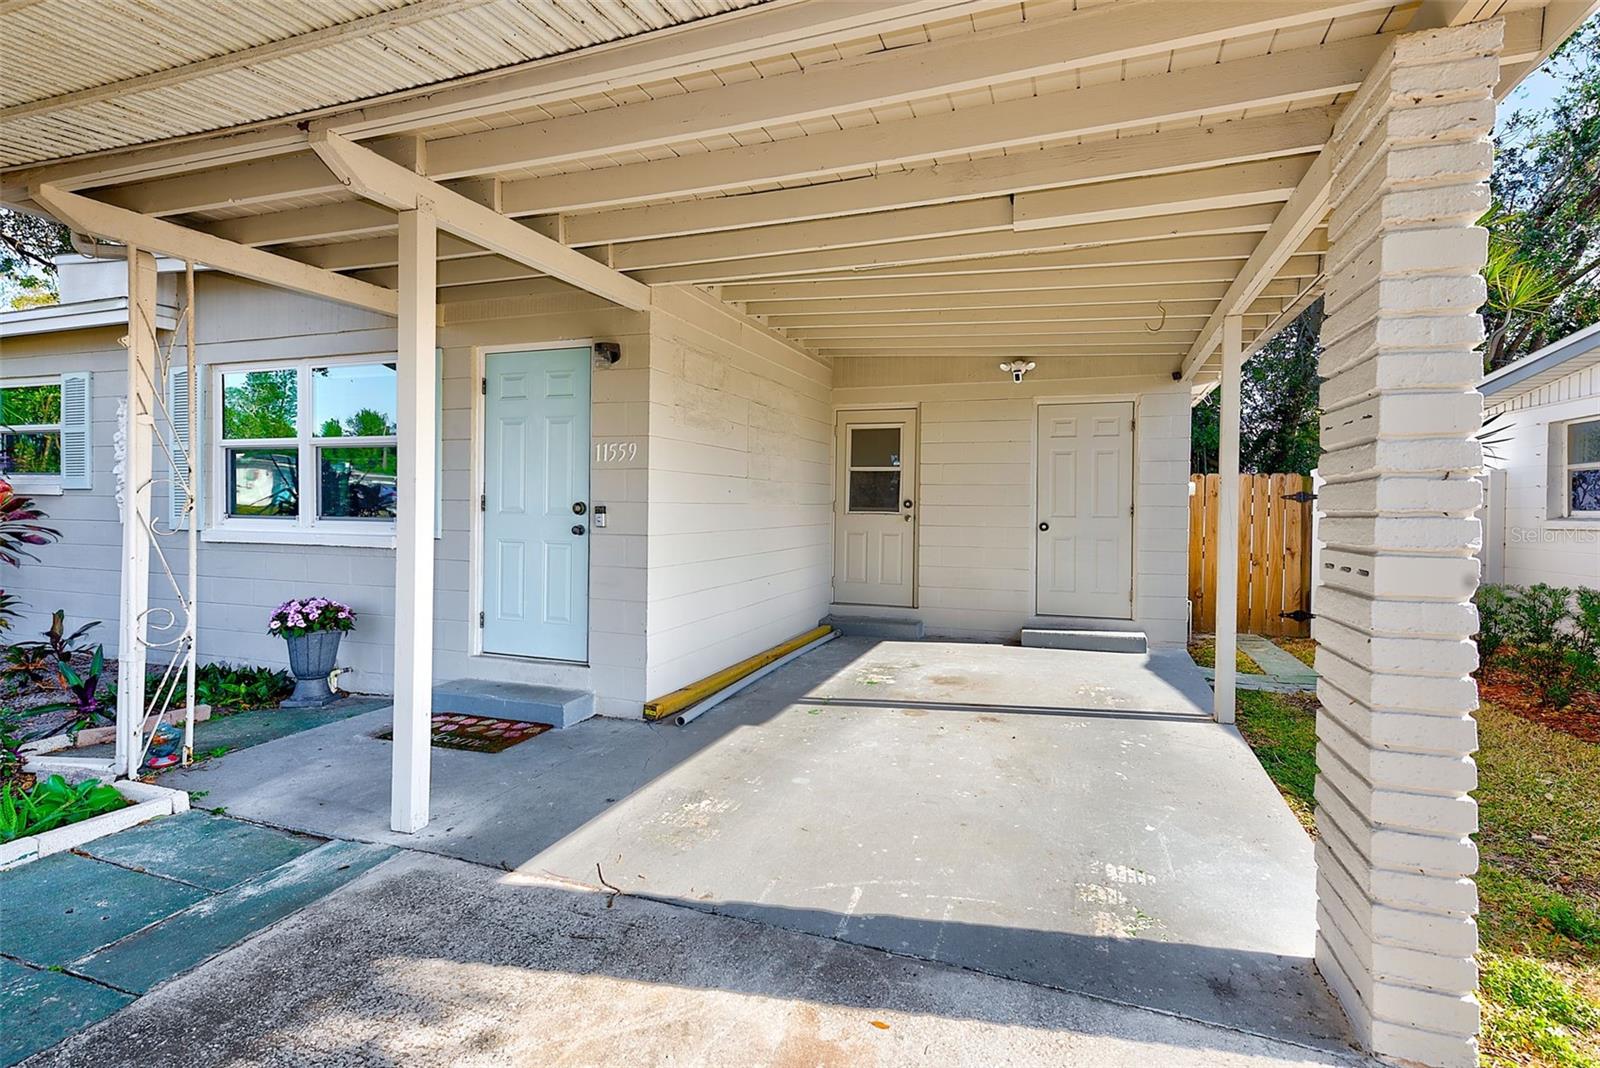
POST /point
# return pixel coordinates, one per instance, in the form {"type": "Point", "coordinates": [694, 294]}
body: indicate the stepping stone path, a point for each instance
{"type": "Point", "coordinates": [1285, 673]}
{"type": "Point", "coordinates": [84, 933]}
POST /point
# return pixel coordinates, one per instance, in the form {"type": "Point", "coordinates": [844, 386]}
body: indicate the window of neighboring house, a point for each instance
{"type": "Point", "coordinates": [1583, 469]}
{"type": "Point", "coordinates": [30, 433]}
{"type": "Point", "coordinates": [306, 446]}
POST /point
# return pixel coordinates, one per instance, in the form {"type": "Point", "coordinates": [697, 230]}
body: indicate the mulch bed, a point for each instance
{"type": "Point", "coordinates": [1512, 692]}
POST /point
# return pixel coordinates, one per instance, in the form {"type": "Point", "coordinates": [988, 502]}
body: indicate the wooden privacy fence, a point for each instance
{"type": "Point", "coordinates": [1274, 553]}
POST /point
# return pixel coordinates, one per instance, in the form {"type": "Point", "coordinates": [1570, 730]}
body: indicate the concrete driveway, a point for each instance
{"type": "Point", "coordinates": [1069, 820]}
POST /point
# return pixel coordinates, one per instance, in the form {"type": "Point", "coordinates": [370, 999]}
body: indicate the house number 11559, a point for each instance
{"type": "Point", "coordinates": [615, 452]}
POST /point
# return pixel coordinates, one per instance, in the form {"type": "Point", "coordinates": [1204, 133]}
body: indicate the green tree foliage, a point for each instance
{"type": "Point", "coordinates": [1544, 259]}
{"type": "Point", "coordinates": [260, 404]}
{"type": "Point", "coordinates": [27, 243]}
{"type": "Point", "coordinates": [1278, 431]}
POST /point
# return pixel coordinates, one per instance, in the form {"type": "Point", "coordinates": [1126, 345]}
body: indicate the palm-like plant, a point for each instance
{"type": "Point", "coordinates": [20, 526]}
{"type": "Point", "coordinates": [1519, 289]}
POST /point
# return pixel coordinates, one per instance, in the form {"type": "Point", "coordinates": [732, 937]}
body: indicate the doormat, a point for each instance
{"type": "Point", "coordinates": [476, 734]}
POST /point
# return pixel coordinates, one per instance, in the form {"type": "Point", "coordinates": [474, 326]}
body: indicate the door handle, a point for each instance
{"type": "Point", "coordinates": [578, 508]}
{"type": "Point", "coordinates": [577, 528]}
{"type": "Point", "coordinates": [907, 503]}
{"type": "Point", "coordinates": [1044, 526]}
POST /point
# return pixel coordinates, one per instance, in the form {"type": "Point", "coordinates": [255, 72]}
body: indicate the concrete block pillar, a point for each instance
{"type": "Point", "coordinates": [1394, 626]}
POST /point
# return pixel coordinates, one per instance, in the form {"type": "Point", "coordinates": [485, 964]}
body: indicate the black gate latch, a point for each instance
{"type": "Point", "coordinates": [1299, 615]}
{"type": "Point", "coordinates": [1304, 496]}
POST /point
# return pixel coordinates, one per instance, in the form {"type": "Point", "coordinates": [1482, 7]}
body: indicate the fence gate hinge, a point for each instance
{"type": "Point", "coordinates": [1304, 496]}
{"type": "Point", "coordinates": [1299, 615]}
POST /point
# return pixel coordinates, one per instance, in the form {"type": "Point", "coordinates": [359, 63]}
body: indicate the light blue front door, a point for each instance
{"type": "Point", "coordinates": [536, 504]}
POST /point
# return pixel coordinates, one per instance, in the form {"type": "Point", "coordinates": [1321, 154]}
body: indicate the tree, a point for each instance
{"type": "Point", "coordinates": [1544, 229]}
{"type": "Point", "coordinates": [1278, 431]}
{"type": "Point", "coordinates": [27, 245]}
{"type": "Point", "coordinates": [260, 404]}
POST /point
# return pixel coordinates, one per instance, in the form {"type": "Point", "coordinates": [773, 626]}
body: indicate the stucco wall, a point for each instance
{"type": "Point", "coordinates": [977, 483]}
{"type": "Point", "coordinates": [740, 549]}
{"type": "Point", "coordinates": [1537, 543]}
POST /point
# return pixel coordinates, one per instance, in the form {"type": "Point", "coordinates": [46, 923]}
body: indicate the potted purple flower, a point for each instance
{"type": "Point", "coordinates": [312, 627]}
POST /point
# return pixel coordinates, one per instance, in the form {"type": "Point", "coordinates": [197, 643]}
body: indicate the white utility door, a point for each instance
{"type": "Point", "coordinates": [536, 504]}
{"type": "Point", "coordinates": [875, 529]}
{"type": "Point", "coordinates": [1085, 523]}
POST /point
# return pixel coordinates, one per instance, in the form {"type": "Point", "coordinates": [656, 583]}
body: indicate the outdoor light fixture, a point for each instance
{"type": "Point", "coordinates": [1017, 370]}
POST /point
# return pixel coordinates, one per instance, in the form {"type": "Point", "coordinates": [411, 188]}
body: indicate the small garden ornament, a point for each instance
{"type": "Point", "coordinates": [313, 627]}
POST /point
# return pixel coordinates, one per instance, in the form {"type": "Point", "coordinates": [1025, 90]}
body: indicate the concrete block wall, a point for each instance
{"type": "Point", "coordinates": [1395, 621]}
{"type": "Point", "coordinates": [977, 483]}
{"type": "Point", "coordinates": [740, 488]}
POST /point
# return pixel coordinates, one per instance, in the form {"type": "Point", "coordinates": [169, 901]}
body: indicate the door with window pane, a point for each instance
{"type": "Point", "coordinates": [875, 527]}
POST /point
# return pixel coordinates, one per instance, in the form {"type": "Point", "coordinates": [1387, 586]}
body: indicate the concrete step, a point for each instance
{"type": "Point", "coordinates": [1089, 641]}
{"type": "Point", "coordinates": [906, 630]}
{"type": "Point", "coordinates": [519, 701]}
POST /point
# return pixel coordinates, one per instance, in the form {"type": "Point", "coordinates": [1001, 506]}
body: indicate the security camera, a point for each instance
{"type": "Point", "coordinates": [1017, 370]}
{"type": "Point", "coordinates": [606, 353]}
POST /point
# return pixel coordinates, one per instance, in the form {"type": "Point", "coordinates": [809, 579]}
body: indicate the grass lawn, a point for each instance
{"type": "Point", "coordinates": [1302, 649]}
{"type": "Point", "coordinates": [1538, 886]}
{"type": "Point", "coordinates": [1204, 652]}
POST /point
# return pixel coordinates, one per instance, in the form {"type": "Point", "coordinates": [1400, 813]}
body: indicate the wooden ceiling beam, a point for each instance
{"type": "Point", "coordinates": [1145, 274]}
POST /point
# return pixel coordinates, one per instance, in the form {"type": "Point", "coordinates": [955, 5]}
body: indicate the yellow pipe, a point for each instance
{"type": "Point", "coordinates": [695, 692]}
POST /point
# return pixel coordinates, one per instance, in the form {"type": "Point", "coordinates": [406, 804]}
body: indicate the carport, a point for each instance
{"type": "Point", "coordinates": [1072, 820]}
{"type": "Point", "coordinates": [877, 197]}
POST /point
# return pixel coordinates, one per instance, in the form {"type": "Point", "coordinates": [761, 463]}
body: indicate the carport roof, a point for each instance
{"type": "Point", "coordinates": [1094, 180]}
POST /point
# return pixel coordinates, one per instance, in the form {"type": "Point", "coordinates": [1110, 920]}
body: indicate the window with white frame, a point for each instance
{"type": "Point", "coordinates": [1582, 461]}
{"type": "Point", "coordinates": [307, 446]}
{"type": "Point", "coordinates": [45, 425]}
{"type": "Point", "coordinates": [30, 428]}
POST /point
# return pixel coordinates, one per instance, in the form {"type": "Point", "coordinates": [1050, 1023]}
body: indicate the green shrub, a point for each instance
{"type": "Point", "coordinates": [1494, 619]}
{"type": "Point", "coordinates": [1549, 634]}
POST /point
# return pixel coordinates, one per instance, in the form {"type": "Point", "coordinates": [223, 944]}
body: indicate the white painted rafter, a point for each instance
{"type": "Point", "coordinates": [157, 235]}
{"type": "Point", "coordinates": [388, 183]}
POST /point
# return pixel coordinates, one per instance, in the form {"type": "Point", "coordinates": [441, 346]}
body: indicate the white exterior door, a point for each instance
{"type": "Point", "coordinates": [875, 530]}
{"type": "Point", "coordinates": [1085, 521]}
{"type": "Point", "coordinates": [536, 504]}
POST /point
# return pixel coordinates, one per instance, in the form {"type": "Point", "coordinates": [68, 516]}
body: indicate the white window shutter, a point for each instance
{"type": "Point", "coordinates": [438, 443]}
{"type": "Point", "coordinates": [77, 420]}
{"type": "Point", "coordinates": [183, 437]}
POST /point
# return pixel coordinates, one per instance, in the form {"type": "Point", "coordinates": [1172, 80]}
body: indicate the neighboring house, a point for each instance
{"type": "Point", "coordinates": [1542, 520]}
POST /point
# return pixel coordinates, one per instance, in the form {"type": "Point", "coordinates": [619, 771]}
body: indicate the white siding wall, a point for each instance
{"type": "Point", "coordinates": [977, 491]}
{"type": "Point", "coordinates": [241, 583]}
{"type": "Point", "coordinates": [1539, 546]}
{"type": "Point", "coordinates": [740, 551]}
{"type": "Point", "coordinates": [615, 672]}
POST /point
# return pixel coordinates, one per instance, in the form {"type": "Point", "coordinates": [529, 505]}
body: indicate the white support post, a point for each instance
{"type": "Point", "coordinates": [136, 470]}
{"type": "Point", "coordinates": [1394, 615]}
{"type": "Point", "coordinates": [1227, 595]}
{"type": "Point", "coordinates": [413, 588]}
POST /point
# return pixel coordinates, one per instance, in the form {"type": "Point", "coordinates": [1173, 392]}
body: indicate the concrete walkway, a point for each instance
{"type": "Point", "coordinates": [427, 961]}
{"type": "Point", "coordinates": [1071, 820]}
{"type": "Point", "coordinates": [84, 933]}
{"type": "Point", "coordinates": [1284, 672]}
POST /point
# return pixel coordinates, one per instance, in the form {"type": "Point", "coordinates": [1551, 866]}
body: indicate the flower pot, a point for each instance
{"type": "Point", "coordinates": [311, 661]}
